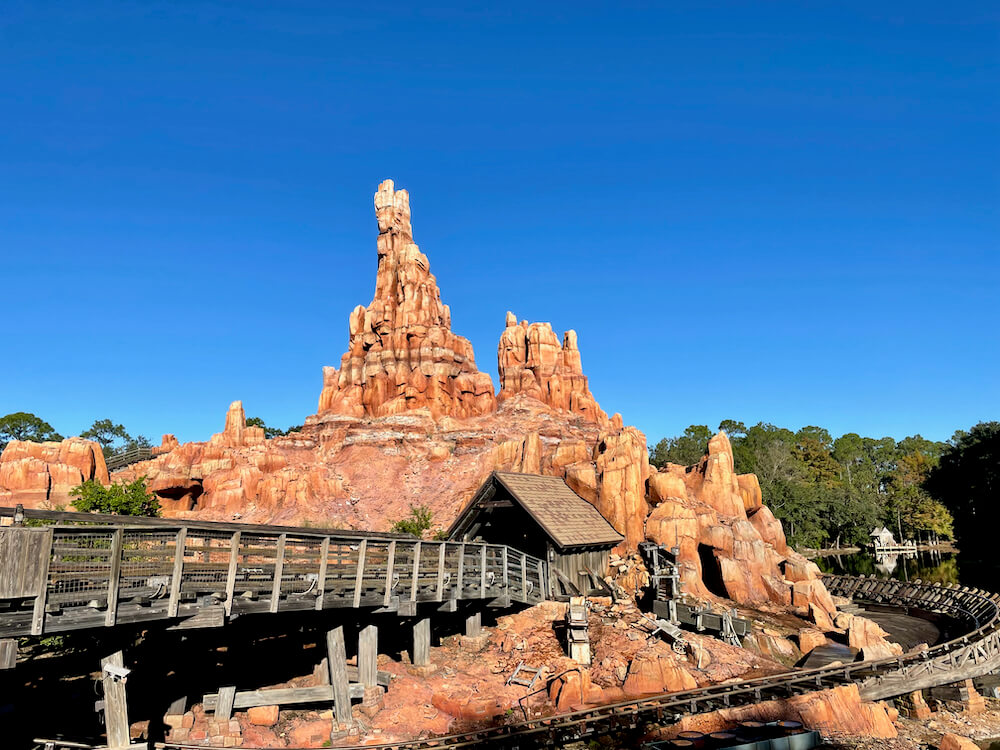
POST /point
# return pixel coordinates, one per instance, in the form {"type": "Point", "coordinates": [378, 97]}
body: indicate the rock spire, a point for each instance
{"type": "Point", "coordinates": [401, 353]}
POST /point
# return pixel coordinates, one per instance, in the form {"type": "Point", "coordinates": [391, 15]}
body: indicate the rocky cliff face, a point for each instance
{"type": "Point", "coordinates": [42, 474]}
{"type": "Point", "coordinates": [401, 353]}
{"type": "Point", "coordinates": [530, 360]}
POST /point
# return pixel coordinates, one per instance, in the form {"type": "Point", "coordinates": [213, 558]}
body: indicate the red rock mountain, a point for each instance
{"type": "Point", "coordinates": [408, 419]}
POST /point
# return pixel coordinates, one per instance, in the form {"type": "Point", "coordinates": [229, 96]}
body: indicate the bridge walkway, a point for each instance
{"type": "Point", "coordinates": [90, 570]}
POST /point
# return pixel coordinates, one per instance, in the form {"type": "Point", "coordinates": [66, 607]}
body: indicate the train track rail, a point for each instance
{"type": "Point", "coordinates": [972, 654]}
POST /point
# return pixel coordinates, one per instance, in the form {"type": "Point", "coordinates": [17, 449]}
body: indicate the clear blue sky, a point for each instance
{"type": "Point", "coordinates": [764, 211]}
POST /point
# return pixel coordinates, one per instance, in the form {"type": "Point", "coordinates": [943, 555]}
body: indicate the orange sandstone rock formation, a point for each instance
{"type": "Point", "coordinates": [42, 474]}
{"type": "Point", "coordinates": [402, 354]}
{"type": "Point", "coordinates": [530, 360]}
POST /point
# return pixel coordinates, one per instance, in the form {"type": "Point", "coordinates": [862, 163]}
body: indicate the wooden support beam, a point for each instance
{"type": "Point", "coordinates": [482, 572]}
{"type": "Point", "coordinates": [459, 589]}
{"type": "Point", "coordinates": [368, 655]}
{"type": "Point", "coordinates": [422, 642]}
{"type": "Point", "coordinates": [282, 696]}
{"type": "Point", "coordinates": [114, 573]}
{"type": "Point", "coordinates": [115, 705]}
{"type": "Point", "coordinates": [8, 653]}
{"type": "Point", "coordinates": [178, 574]}
{"type": "Point", "coordinates": [506, 573]}
{"type": "Point", "coordinates": [360, 573]}
{"type": "Point", "coordinates": [234, 557]}
{"type": "Point", "coordinates": [440, 583]}
{"type": "Point", "coordinates": [390, 563]}
{"type": "Point", "coordinates": [224, 706]}
{"type": "Point", "coordinates": [541, 579]}
{"type": "Point", "coordinates": [474, 624]}
{"type": "Point", "coordinates": [324, 556]}
{"type": "Point", "coordinates": [279, 566]}
{"type": "Point", "coordinates": [524, 577]}
{"type": "Point", "coordinates": [336, 655]}
{"type": "Point", "coordinates": [38, 613]}
{"type": "Point", "coordinates": [416, 572]}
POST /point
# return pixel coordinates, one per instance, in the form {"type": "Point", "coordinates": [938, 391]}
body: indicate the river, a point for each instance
{"type": "Point", "coordinates": [932, 566]}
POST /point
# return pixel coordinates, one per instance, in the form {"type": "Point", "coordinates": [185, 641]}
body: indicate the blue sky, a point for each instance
{"type": "Point", "coordinates": [781, 212]}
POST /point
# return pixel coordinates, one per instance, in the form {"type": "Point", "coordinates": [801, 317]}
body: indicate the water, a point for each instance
{"type": "Point", "coordinates": [931, 566]}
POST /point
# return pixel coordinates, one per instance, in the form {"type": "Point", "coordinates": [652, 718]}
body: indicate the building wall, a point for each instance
{"type": "Point", "coordinates": [572, 564]}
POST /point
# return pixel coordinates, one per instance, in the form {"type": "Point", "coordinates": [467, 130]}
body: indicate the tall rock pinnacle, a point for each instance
{"type": "Point", "coordinates": [401, 353]}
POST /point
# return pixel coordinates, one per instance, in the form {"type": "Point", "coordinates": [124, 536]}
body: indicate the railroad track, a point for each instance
{"type": "Point", "coordinates": [975, 653]}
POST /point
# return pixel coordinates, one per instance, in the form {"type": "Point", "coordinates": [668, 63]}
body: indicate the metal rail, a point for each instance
{"type": "Point", "coordinates": [975, 653]}
{"type": "Point", "coordinates": [60, 578]}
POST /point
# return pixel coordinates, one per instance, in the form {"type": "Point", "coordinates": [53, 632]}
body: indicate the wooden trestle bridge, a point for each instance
{"type": "Point", "coordinates": [60, 578]}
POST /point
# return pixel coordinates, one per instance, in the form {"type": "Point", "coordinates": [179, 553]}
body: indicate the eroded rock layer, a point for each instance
{"type": "Point", "coordinates": [401, 353]}
{"type": "Point", "coordinates": [40, 475]}
{"type": "Point", "coordinates": [530, 360]}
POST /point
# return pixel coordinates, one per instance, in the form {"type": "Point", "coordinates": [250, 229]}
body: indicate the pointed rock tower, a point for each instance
{"type": "Point", "coordinates": [402, 354]}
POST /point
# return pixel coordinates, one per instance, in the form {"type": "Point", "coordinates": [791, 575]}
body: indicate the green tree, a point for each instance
{"type": "Point", "coordinates": [131, 499]}
{"type": "Point", "coordinates": [684, 449]}
{"type": "Point", "coordinates": [419, 520]}
{"type": "Point", "coordinates": [733, 429]}
{"type": "Point", "coordinates": [967, 481]}
{"type": "Point", "coordinates": [25, 426]}
{"type": "Point", "coordinates": [107, 434]}
{"type": "Point", "coordinates": [271, 432]}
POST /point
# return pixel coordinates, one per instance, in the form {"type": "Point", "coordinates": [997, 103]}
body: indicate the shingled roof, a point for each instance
{"type": "Point", "coordinates": [568, 519]}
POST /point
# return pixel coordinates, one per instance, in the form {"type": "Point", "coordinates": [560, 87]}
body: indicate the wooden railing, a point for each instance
{"type": "Point", "coordinates": [104, 573]}
{"type": "Point", "coordinates": [129, 456]}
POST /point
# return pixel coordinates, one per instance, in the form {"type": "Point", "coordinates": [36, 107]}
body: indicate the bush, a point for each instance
{"type": "Point", "coordinates": [417, 523]}
{"type": "Point", "coordinates": [132, 499]}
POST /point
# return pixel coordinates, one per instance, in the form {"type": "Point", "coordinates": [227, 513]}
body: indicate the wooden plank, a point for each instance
{"type": "Point", "coordinates": [506, 573]}
{"type": "Point", "coordinates": [234, 557]}
{"type": "Point", "coordinates": [279, 565]}
{"type": "Point", "coordinates": [324, 554]}
{"type": "Point", "coordinates": [224, 705]}
{"type": "Point", "coordinates": [178, 573]}
{"type": "Point", "coordinates": [336, 654]}
{"type": "Point", "coordinates": [482, 572]}
{"type": "Point", "coordinates": [474, 624]}
{"type": "Point", "coordinates": [440, 582]}
{"type": "Point", "coordinates": [115, 705]}
{"type": "Point", "coordinates": [368, 655]}
{"type": "Point", "coordinates": [38, 613]}
{"type": "Point", "coordinates": [360, 573]}
{"type": "Point", "coordinates": [459, 590]}
{"type": "Point", "coordinates": [113, 575]}
{"type": "Point", "coordinates": [422, 642]}
{"type": "Point", "coordinates": [388, 573]}
{"type": "Point", "coordinates": [8, 653]}
{"type": "Point", "coordinates": [416, 572]}
{"type": "Point", "coordinates": [541, 579]}
{"type": "Point", "coordinates": [524, 577]}
{"type": "Point", "coordinates": [282, 696]}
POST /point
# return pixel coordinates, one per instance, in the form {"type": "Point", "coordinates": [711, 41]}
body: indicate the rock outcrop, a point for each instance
{"type": "Point", "coordinates": [530, 360]}
{"type": "Point", "coordinates": [401, 353]}
{"type": "Point", "coordinates": [42, 474]}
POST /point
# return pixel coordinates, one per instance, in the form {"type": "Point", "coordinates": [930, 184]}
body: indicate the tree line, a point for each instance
{"type": "Point", "coordinates": [113, 438]}
{"type": "Point", "coordinates": [832, 492]}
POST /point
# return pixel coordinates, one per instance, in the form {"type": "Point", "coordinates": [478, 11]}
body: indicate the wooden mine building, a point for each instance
{"type": "Point", "coordinates": [545, 518]}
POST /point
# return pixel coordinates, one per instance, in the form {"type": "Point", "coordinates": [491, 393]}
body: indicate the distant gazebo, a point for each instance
{"type": "Point", "coordinates": [882, 537]}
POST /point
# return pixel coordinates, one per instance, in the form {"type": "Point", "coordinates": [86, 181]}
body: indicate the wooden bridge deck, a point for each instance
{"type": "Point", "coordinates": [68, 577]}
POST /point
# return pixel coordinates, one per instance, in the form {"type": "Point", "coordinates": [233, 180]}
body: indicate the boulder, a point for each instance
{"type": "Point", "coordinates": [42, 474]}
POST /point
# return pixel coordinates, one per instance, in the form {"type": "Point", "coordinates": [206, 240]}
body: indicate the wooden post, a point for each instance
{"type": "Point", "coordinates": [388, 573]}
{"type": "Point", "coordinates": [506, 576]}
{"type": "Point", "coordinates": [38, 615]}
{"type": "Point", "coordinates": [422, 642]}
{"type": "Point", "coordinates": [524, 577]}
{"type": "Point", "coordinates": [474, 624]}
{"type": "Point", "coordinates": [324, 555]}
{"type": "Point", "coordinates": [114, 574]}
{"type": "Point", "coordinates": [234, 557]}
{"type": "Point", "coordinates": [441, 557]}
{"type": "Point", "coordinates": [279, 565]}
{"type": "Point", "coordinates": [482, 572]}
{"type": "Point", "coordinates": [368, 655]}
{"type": "Point", "coordinates": [178, 574]}
{"type": "Point", "coordinates": [8, 653]}
{"type": "Point", "coordinates": [336, 655]}
{"type": "Point", "coordinates": [360, 573]}
{"type": "Point", "coordinates": [416, 572]}
{"type": "Point", "coordinates": [541, 579]}
{"type": "Point", "coordinates": [115, 705]}
{"type": "Point", "coordinates": [224, 708]}
{"type": "Point", "coordinates": [459, 590]}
